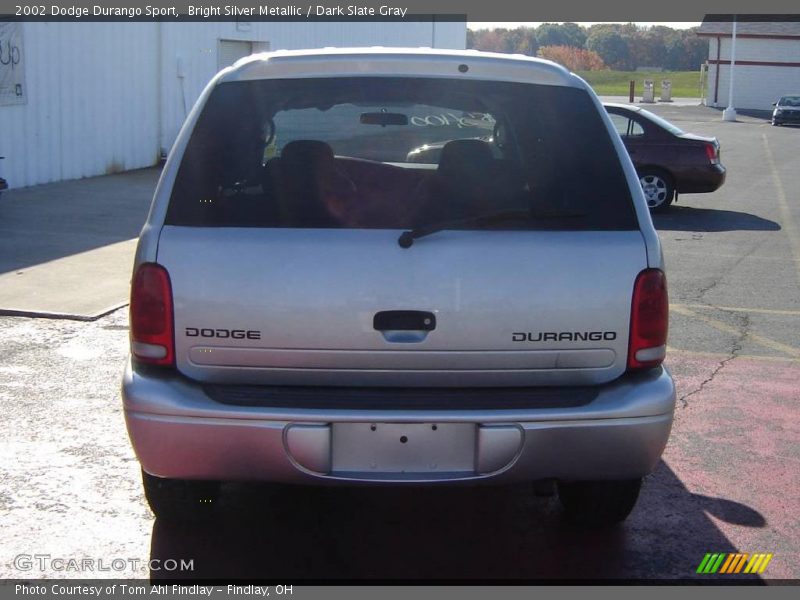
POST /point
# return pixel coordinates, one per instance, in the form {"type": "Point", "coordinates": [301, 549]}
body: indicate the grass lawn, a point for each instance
{"type": "Point", "coordinates": [685, 84]}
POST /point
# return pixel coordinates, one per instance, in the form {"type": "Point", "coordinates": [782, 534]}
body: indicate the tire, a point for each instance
{"type": "Point", "coordinates": [598, 503]}
{"type": "Point", "coordinates": [659, 191]}
{"type": "Point", "coordinates": [180, 500]}
{"type": "Point", "coordinates": [776, 124]}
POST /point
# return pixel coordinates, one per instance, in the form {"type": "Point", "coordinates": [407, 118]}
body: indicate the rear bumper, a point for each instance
{"type": "Point", "coordinates": [178, 431]}
{"type": "Point", "coordinates": [701, 180]}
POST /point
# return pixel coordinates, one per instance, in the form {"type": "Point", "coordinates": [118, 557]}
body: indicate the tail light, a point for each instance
{"type": "Point", "coordinates": [649, 321]}
{"type": "Point", "coordinates": [151, 317]}
{"type": "Point", "coordinates": [712, 152]}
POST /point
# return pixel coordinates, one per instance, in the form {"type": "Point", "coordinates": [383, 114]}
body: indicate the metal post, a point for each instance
{"type": "Point", "coordinates": [729, 114]}
{"type": "Point", "coordinates": [631, 91]}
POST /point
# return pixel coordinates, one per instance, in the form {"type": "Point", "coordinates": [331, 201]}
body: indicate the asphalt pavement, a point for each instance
{"type": "Point", "coordinates": [729, 480]}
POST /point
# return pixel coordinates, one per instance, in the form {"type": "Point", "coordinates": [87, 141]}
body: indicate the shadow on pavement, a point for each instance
{"type": "Point", "coordinates": [687, 218]}
{"type": "Point", "coordinates": [731, 512]}
{"type": "Point", "coordinates": [484, 533]}
{"type": "Point", "coordinates": [45, 222]}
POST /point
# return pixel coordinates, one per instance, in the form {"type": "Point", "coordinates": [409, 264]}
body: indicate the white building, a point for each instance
{"type": "Point", "coordinates": [85, 99]}
{"type": "Point", "coordinates": [766, 62]}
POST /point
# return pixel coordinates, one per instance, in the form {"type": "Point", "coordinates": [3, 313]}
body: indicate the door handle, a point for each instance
{"type": "Point", "coordinates": [404, 320]}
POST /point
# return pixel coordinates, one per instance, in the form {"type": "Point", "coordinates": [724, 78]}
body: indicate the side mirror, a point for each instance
{"type": "Point", "coordinates": [774, 104]}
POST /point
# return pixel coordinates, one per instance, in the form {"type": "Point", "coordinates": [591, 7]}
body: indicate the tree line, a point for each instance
{"type": "Point", "coordinates": [604, 45]}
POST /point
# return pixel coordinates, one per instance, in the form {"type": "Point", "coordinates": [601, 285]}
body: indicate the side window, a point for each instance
{"type": "Point", "coordinates": [635, 129]}
{"type": "Point", "coordinates": [625, 126]}
{"type": "Point", "coordinates": [620, 123]}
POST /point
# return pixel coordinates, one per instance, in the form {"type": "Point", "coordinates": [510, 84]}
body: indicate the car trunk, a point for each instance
{"type": "Point", "coordinates": [701, 138]}
{"type": "Point", "coordinates": [298, 306]}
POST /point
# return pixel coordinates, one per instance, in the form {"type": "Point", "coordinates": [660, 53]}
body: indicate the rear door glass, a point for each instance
{"type": "Point", "coordinates": [392, 153]}
{"type": "Point", "coordinates": [626, 126]}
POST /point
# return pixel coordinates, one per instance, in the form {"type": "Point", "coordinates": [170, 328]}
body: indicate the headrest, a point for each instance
{"type": "Point", "coordinates": [309, 154]}
{"type": "Point", "coordinates": [461, 157]}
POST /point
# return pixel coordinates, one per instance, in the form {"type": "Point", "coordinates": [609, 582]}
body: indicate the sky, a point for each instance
{"type": "Point", "coordinates": [481, 25]}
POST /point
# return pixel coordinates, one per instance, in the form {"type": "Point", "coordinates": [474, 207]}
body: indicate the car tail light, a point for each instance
{"type": "Point", "coordinates": [712, 153]}
{"type": "Point", "coordinates": [151, 317]}
{"type": "Point", "coordinates": [649, 321]}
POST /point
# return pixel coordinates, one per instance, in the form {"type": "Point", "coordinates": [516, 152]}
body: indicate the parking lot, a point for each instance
{"type": "Point", "coordinates": [729, 480]}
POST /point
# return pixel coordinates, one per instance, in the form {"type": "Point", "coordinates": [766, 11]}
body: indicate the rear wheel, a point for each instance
{"type": "Point", "coordinates": [658, 189]}
{"type": "Point", "coordinates": [598, 503]}
{"type": "Point", "coordinates": [180, 500]}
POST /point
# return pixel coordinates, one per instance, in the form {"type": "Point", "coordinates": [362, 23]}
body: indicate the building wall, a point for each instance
{"type": "Point", "coordinates": [87, 112]}
{"type": "Point", "coordinates": [756, 86]}
{"type": "Point", "coordinates": [107, 97]}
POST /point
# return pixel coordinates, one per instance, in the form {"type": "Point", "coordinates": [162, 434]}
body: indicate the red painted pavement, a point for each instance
{"type": "Point", "coordinates": [736, 444]}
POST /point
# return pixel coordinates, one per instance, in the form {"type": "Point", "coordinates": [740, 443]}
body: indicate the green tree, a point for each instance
{"type": "Point", "coordinates": [647, 48]}
{"type": "Point", "coordinates": [695, 48]}
{"type": "Point", "coordinates": [611, 47]}
{"type": "Point", "coordinates": [575, 33]}
{"type": "Point", "coordinates": [523, 40]}
{"type": "Point", "coordinates": [561, 34]}
{"type": "Point", "coordinates": [621, 46]}
{"type": "Point", "coordinates": [676, 59]}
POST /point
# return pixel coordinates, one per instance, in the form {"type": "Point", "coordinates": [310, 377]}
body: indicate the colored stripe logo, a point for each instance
{"type": "Point", "coordinates": [725, 563]}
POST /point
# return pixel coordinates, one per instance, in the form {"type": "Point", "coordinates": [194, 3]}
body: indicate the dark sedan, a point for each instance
{"type": "Point", "coordinates": [787, 110]}
{"type": "Point", "coordinates": [667, 160]}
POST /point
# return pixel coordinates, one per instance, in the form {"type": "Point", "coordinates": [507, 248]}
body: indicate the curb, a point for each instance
{"type": "Point", "coordinates": [32, 314]}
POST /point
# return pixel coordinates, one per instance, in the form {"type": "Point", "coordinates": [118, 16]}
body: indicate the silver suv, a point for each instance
{"type": "Point", "coordinates": [398, 267]}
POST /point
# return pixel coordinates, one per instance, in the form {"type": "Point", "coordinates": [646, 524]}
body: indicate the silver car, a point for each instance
{"type": "Point", "coordinates": [311, 306]}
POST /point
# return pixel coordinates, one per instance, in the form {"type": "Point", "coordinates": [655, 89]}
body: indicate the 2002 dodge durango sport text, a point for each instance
{"type": "Point", "coordinates": [316, 300]}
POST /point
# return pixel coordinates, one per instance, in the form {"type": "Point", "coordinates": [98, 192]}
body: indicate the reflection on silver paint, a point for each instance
{"type": "Point", "coordinates": [400, 360]}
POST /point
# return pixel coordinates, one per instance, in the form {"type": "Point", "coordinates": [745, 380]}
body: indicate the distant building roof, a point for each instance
{"type": "Point", "coordinates": [747, 25]}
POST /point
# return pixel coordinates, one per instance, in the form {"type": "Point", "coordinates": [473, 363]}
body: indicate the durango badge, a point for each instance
{"type": "Point", "coordinates": [561, 336]}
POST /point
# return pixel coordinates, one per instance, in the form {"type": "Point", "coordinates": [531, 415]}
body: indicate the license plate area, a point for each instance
{"type": "Point", "coordinates": [420, 448]}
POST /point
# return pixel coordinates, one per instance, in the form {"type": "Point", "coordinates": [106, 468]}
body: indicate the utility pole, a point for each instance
{"type": "Point", "coordinates": [729, 114]}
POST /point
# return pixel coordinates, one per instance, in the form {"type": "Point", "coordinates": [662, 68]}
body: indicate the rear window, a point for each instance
{"type": "Point", "coordinates": [397, 153]}
{"type": "Point", "coordinates": [671, 127]}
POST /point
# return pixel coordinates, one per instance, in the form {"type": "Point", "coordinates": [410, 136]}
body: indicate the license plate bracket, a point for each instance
{"type": "Point", "coordinates": [410, 448]}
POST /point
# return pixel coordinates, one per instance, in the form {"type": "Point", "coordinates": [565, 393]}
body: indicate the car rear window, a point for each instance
{"type": "Point", "coordinates": [396, 153]}
{"type": "Point", "coordinates": [671, 127]}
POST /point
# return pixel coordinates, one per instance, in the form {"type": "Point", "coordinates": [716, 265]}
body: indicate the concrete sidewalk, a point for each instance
{"type": "Point", "coordinates": [66, 249]}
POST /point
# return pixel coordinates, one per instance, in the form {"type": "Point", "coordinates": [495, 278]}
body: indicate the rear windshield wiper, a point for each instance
{"type": "Point", "coordinates": [406, 239]}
